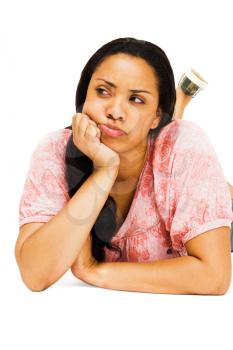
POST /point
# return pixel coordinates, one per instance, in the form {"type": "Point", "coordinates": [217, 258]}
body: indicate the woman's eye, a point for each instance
{"type": "Point", "coordinates": [141, 101]}
{"type": "Point", "coordinates": [100, 91]}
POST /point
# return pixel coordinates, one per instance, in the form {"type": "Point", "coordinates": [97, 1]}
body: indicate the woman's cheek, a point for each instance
{"type": "Point", "coordinates": [94, 110]}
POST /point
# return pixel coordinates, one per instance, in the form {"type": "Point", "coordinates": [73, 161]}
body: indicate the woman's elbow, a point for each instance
{"type": "Point", "coordinates": [222, 285]}
{"type": "Point", "coordinates": [34, 284]}
{"type": "Point", "coordinates": [222, 288]}
{"type": "Point", "coordinates": [31, 280]}
{"type": "Point", "coordinates": [34, 281]}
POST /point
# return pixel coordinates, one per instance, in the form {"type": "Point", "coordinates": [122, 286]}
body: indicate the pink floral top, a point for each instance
{"type": "Point", "coordinates": [181, 192]}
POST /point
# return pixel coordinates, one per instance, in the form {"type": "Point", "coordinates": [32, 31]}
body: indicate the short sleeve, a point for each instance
{"type": "Point", "coordinates": [194, 194]}
{"type": "Point", "coordinates": [199, 194]}
{"type": "Point", "coordinates": [45, 189]}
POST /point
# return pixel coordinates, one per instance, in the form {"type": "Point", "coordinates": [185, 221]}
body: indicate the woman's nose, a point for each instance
{"type": "Point", "coordinates": [116, 109]}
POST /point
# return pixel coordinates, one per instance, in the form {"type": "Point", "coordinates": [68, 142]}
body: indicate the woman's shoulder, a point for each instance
{"type": "Point", "coordinates": [180, 139]}
{"type": "Point", "coordinates": [53, 142]}
{"type": "Point", "coordinates": [182, 135]}
{"type": "Point", "coordinates": [55, 137]}
{"type": "Point", "coordinates": [45, 189]}
{"type": "Point", "coordinates": [49, 152]}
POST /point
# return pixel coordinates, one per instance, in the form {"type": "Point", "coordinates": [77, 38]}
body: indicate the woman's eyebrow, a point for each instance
{"type": "Point", "coordinates": [113, 85]}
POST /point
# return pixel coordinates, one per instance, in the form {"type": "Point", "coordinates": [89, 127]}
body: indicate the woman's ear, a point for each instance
{"type": "Point", "coordinates": [156, 119]}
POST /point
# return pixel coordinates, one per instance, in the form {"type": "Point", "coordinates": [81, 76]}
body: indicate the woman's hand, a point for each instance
{"type": "Point", "coordinates": [85, 266]}
{"type": "Point", "coordinates": [87, 138]}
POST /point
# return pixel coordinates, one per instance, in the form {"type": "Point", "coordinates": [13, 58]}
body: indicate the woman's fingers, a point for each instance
{"type": "Point", "coordinates": [82, 126]}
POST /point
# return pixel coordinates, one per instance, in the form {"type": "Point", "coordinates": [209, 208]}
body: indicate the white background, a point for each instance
{"type": "Point", "coordinates": [43, 48]}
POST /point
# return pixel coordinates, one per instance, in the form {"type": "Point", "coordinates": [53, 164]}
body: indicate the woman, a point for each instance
{"type": "Point", "coordinates": [125, 209]}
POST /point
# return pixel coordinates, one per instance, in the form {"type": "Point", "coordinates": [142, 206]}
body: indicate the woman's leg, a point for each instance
{"type": "Point", "coordinates": [182, 101]}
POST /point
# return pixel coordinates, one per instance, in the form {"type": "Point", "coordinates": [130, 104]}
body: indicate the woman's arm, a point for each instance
{"type": "Point", "coordinates": [203, 271]}
{"type": "Point", "coordinates": [50, 251]}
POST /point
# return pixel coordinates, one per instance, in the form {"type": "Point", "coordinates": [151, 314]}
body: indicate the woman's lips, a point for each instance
{"type": "Point", "coordinates": [111, 132]}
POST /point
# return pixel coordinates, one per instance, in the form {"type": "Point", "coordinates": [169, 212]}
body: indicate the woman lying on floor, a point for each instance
{"type": "Point", "coordinates": [129, 197]}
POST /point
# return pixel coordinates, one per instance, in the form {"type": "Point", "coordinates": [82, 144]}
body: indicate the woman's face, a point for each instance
{"type": "Point", "coordinates": [133, 112]}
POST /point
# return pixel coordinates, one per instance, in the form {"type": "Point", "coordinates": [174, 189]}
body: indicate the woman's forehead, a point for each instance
{"type": "Point", "coordinates": [116, 68]}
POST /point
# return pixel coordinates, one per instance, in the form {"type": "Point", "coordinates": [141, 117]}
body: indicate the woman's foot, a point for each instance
{"type": "Point", "coordinates": [192, 82]}
{"type": "Point", "coordinates": [189, 85]}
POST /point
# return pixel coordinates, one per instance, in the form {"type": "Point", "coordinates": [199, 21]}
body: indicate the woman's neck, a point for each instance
{"type": "Point", "coordinates": [130, 169]}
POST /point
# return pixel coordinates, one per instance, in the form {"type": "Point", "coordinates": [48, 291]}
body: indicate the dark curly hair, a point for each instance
{"type": "Point", "coordinates": [78, 167]}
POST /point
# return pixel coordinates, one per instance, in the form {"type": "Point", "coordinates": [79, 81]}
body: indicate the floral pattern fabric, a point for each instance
{"type": "Point", "coordinates": [181, 192]}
